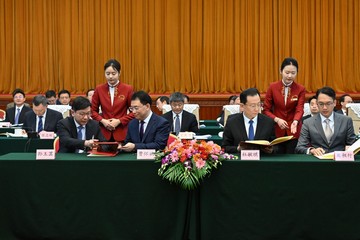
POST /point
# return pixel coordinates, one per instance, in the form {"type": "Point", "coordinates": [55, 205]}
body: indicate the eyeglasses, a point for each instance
{"type": "Point", "coordinates": [328, 104]}
{"type": "Point", "coordinates": [135, 108]}
{"type": "Point", "coordinates": [254, 105]}
{"type": "Point", "coordinates": [83, 114]}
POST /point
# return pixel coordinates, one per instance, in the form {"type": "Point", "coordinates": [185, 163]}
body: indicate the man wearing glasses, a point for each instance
{"type": "Point", "coordinates": [180, 120]}
{"type": "Point", "coordinates": [327, 131]}
{"type": "Point", "coordinates": [79, 132]}
{"type": "Point", "coordinates": [248, 125]}
{"type": "Point", "coordinates": [147, 130]}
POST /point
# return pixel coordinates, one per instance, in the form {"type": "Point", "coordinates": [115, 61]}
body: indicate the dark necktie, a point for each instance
{"type": "Point", "coordinates": [177, 124]}
{"type": "Point", "coordinates": [79, 133]}
{"type": "Point", "coordinates": [141, 131]}
{"type": "Point", "coordinates": [251, 130]}
{"type": "Point", "coordinates": [17, 115]}
{"type": "Point", "coordinates": [40, 124]}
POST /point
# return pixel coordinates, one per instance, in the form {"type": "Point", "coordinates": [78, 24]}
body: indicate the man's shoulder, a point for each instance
{"type": "Point", "coordinates": [264, 118]}
{"type": "Point", "coordinates": [188, 114]}
{"type": "Point", "coordinates": [52, 112]}
{"type": "Point", "coordinates": [235, 119]}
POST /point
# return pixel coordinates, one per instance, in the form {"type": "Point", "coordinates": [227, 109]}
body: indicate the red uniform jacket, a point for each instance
{"type": "Point", "coordinates": [293, 110]}
{"type": "Point", "coordinates": [122, 101]}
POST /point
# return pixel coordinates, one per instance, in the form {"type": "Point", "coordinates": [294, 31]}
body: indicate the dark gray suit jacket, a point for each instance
{"type": "Point", "coordinates": [10, 114]}
{"type": "Point", "coordinates": [155, 136]}
{"type": "Point", "coordinates": [188, 122]}
{"type": "Point", "coordinates": [312, 134]}
{"type": "Point", "coordinates": [51, 120]}
{"type": "Point", "coordinates": [67, 132]}
{"type": "Point", "coordinates": [235, 131]}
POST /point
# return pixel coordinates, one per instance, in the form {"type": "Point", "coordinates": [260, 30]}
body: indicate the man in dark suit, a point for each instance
{"type": "Point", "coordinates": [16, 114]}
{"type": "Point", "coordinates": [248, 125]}
{"type": "Point", "coordinates": [79, 132]}
{"type": "Point", "coordinates": [328, 131]}
{"type": "Point", "coordinates": [314, 109]}
{"type": "Point", "coordinates": [180, 120]}
{"type": "Point", "coordinates": [344, 99]}
{"type": "Point", "coordinates": [147, 130]}
{"type": "Point", "coordinates": [41, 118]}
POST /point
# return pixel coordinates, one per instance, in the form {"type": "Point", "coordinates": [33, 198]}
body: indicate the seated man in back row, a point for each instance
{"type": "Point", "coordinates": [180, 120]}
{"type": "Point", "coordinates": [79, 132]}
{"type": "Point", "coordinates": [41, 117]}
{"type": "Point", "coordinates": [248, 125]}
{"type": "Point", "coordinates": [327, 131]}
{"type": "Point", "coordinates": [147, 130]}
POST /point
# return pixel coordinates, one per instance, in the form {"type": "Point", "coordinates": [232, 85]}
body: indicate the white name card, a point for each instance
{"type": "Point", "coordinates": [46, 135]}
{"type": "Point", "coordinates": [186, 135]}
{"type": "Point", "coordinates": [145, 154]}
{"type": "Point", "coordinates": [344, 156]}
{"type": "Point", "coordinates": [250, 155]}
{"type": "Point", "coordinates": [45, 154]}
{"type": "Point", "coordinates": [5, 124]}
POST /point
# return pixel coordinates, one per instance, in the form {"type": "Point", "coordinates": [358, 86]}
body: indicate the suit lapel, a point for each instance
{"type": "Point", "coordinates": [150, 124]}
{"type": "Point", "coordinates": [336, 126]}
{"type": "Point", "coordinates": [243, 128]}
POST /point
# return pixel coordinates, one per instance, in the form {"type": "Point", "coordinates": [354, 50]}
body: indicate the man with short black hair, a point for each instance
{"type": "Point", "coordinates": [248, 125]}
{"type": "Point", "coordinates": [344, 99]}
{"type": "Point", "coordinates": [161, 101]}
{"type": "Point", "coordinates": [64, 97]}
{"type": "Point", "coordinates": [16, 114]}
{"type": "Point", "coordinates": [51, 97]}
{"type": "Point", "coordinates": [179, 119]}
{"type": "Point", "coordinates": [41, 117]}
{"type": "Point", "coordinates": [328, 131]}
{"type": "Point", "coordinates": [147, 130]}
{"type": "Point", "coordinates": [79, 132]}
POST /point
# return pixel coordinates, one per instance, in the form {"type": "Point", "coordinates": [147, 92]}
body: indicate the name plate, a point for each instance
{"type": "Point", "coordinates": [250, 155]}
{"type": "Point", "coordinates": [145, 154]}
{"type": "Point", "coordinates": [5, 124]}
{"type": "Point", "coordinates": [46, 135]}
{"type": "Point", "coordinates": [344, 156]}
{"type": "Point", "coordinates": [186, 135]}
{"type": "Point", "coordinates": [45, 154]}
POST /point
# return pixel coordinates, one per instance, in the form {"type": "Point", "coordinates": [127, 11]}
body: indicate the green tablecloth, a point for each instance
{"type": "Point", "coordinates": [9, 144]}
{"type": "Point", "coordinates": [78, 197]}
{"type": "Point", "coordinates": [212, 130]}
{"type": "Point", "coordinates": [209, 123]}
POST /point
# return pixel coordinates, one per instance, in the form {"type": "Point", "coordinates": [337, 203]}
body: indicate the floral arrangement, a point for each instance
{"type": "Point", "coordinates": [186, 162]}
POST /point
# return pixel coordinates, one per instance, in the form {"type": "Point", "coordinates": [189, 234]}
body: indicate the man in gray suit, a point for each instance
{"type": "Point", "coordinates": [327, 131]}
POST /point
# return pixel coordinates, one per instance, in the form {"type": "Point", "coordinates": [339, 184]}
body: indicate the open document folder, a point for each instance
{"type": "Point", "coordinates": [355, 148]}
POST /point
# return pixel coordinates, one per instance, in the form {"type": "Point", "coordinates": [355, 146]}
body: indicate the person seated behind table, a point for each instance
{"type": "Point", "coordinates": [344, 99]}
{"type": "Point", "coordinates": [90, 93]}
{"type": "Point", "coordinates": [327, 131]}
{"type": "Point", "coordinates": [147, 130]}
{"type": "Point", "coordinates": [161, 101]}
{"type": "Point", "coordinates": [16, 114]}
{"type": "Point", "coordinates": [232, 100]}
{"type": "Point", "coordinates": [238, 128]}
{"type": "Point", "coordinates": [186, 99]}
{"type": "Point", "coordinates": [314, 109]}
{"type": "Point", "coordinates": [51, 97]}
{"type": "Point", "coordinates": [12, 104]}
{"type": "Point", "coordinates": [64, 97]}
{"type": "Point", "coordinates": [179, 119]}
{"type": "Point", "coordinates": [41, 117]}
{"type": "Point", "coordinates": [79, 132]}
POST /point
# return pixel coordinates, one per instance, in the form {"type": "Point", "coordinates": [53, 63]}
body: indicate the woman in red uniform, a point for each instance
{"type": "Point", "coordinates": [114, 97]}
{"type": "Point", "coordinates": [284, 102]}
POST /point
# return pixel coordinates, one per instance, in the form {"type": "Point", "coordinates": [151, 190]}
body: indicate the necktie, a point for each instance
{"type": "Point", "coordinates": [328, 131]}
{"type": "Point", "coordinates": [177, 124]}
{"type": "Point", "coordinates": [40, 124]}
{"type": "Point", "coordinates": [141, 131]}
{"type": "Point", "coordinates": [251, 130]}
{"type": "Point", "coordinates": [79, 133]}
{"type": "Point", "coordinates": [17, 115]}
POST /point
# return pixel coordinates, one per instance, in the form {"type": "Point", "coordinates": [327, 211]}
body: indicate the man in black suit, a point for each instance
{"type": "Point", "coordinates": [41, 118]}
{"type": "Point", "coordinates": [248, 125]}
{"type": "Point", "coordinates": [180, 120]}
{"type": "Point", "coordinates": [16, 114]}
{"type": "Point", "coordinates": [147, 130]}
{"type": "Point", "coordinates": [314, 109]}
{"type": "Point", "coordinates": [79, 132]}
{"type": "Point", "coordinates": [344, 99]}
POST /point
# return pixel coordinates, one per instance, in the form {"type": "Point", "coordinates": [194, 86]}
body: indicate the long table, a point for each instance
{"type": "Point", "coordinates": [78, 197]}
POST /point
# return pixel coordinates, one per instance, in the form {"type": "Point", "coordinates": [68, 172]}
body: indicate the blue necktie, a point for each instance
{"type": "Point", "coordinates": [17, 116]}
{"type": "Point", "coordinates": [251, 130]}
{"type": "Point", "coordinates": [79, 133]}
{"type": "Point", "coordinates": [141, 131]}
{"type": "Point", "coordinates": [177, 124]}
{"type": "Point", "coordinates": [40, 124]}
